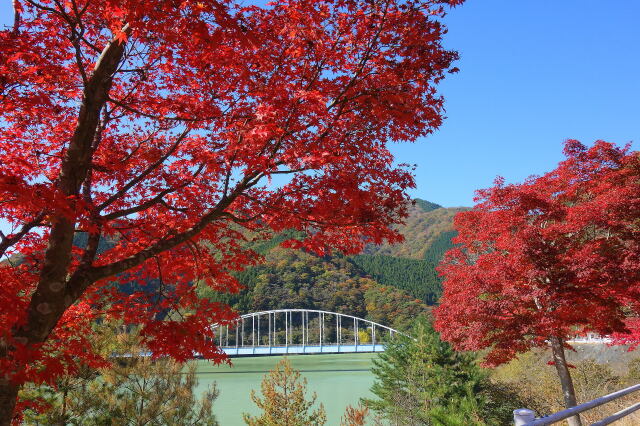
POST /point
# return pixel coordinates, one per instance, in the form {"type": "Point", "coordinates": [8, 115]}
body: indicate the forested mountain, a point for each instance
{"type": "Point", "coordinates": [417, 277]}
{"type": "Point", "coordinates": [423, 232]}
{"type": "Point", "coordinates": [388, 284]}
{"type": "Point", "coordinates": [411, 265]}
{"type": "Point", "coordinates": [295, 279]}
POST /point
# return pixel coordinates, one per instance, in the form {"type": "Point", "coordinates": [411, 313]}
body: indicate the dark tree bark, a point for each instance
{"type": "Point", "coordinates": [568, 390]}
{"type": "Point", "coordinates": [8, 397]}
{"type": "Point", "coordinates": [51, 298]}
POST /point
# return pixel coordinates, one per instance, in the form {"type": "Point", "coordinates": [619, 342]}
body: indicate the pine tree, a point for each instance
{"type": "Point", "coordinates": [131, 391]}
{"type": "Point", "coordinates": [423, 381]}
{"type": "Point", "coordinates": [283, 401]}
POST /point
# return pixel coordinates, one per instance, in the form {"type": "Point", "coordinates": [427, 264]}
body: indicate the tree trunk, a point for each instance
{"type": "Point", "coordinates": [565, 379]}
{"type": "Point", "coordinates": [8, 397]}
{"type": "Point", "coordinates": [51, 297]}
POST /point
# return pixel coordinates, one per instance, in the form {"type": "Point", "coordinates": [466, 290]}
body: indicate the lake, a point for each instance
{"type": "Point", "coordinates": [338, 379]}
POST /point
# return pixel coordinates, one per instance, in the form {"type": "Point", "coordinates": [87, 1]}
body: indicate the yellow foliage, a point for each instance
{"type": "Point", "coordinates": [363, 336]}
{"type": "Point", "coordinates": [537, 386]}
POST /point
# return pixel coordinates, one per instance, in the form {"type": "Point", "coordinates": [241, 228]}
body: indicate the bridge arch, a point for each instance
{"type": "Point", "coordinates": [301, 331]}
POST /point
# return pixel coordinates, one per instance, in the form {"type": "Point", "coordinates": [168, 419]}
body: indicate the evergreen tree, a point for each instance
{"type": "Point", "coordinates": [423, 381]}
{"type": "Point", "coordinates": [131, 391]}
{"type": "Point", "coordinates": [417, 277]}
{"type": "Point", "coordinates": [439, 247]}
{"type": "Point", "coordinates": [283, 401]}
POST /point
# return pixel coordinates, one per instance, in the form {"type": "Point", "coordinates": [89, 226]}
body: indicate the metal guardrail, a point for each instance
{"type": "Point", "coordinates": [526, 417]}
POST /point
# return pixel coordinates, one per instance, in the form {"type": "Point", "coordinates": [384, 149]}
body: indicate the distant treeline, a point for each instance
{"type": "Point", "coordinates": [438, 248]}
{"type": "Point", "coordinates": [416, 277]}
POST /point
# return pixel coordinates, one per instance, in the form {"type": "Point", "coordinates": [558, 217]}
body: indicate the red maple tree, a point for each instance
{"type": "Point", "coordinates": [540, 262]}
{"type": "Point", "coordinates": [157, 126]}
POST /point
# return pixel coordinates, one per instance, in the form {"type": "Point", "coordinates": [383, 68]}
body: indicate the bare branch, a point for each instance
{"type": "Point", "coordinates": [153, 201]}
{"type": "Point", "coordinates": [160, 118]}
{"type": "Point", "coordinates": [42, 7]}
{"type": "Point", "coordinates": [141, 207]}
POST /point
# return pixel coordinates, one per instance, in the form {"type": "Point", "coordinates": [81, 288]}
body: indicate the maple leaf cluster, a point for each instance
{"type": "Point", "coordinates": [553, 257]}
{"type": "Point", "coordinates": [155, 132]}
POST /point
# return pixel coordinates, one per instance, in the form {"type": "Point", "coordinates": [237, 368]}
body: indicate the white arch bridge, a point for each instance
{"type": "Point", "coordinates": [300, 331]}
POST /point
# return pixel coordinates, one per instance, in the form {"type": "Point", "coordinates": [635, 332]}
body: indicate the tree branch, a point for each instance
{"type": "Point", "coordinates": [155, 200]}
{"type": "Point", "coordinates": [145, 173]}
{"type": "Point", "coordinates": [48, 301]}
{"type": "Point", "coordinates": [8, 241]}
{"type": "Point", "coordinates": [81, 279]}
{"type": "Point", "coordinates": [16, 17]}
{"type": "Point", "coordinates": [159, 118]}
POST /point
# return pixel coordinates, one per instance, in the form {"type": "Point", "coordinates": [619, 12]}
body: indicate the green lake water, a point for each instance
{"type": "Point", "coordinates": [338, 380]}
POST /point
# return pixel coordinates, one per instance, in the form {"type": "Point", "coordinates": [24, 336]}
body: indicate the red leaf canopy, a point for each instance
{"type": "Point", "coordinates": [555, 256]}
{"type": "Point", "coordinates": [162, 128]}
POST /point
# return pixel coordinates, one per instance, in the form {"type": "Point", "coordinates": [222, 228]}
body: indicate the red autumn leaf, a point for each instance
{"type": "Point", "coordinates": [540, 262]}
{"type": "Point", "coordinates": [133, 161]}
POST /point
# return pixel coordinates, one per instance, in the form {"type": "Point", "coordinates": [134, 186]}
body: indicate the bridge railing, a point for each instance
{"type": "Point", "coordinates": [291, 328]}
{"type": "Point", "coordinates": [526, 417]}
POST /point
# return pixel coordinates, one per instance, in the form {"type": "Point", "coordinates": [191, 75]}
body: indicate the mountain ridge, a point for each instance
{"type": "Point", "coordinates": [384, 283]}
{"type": "Point", "coordinates": [425, 226]}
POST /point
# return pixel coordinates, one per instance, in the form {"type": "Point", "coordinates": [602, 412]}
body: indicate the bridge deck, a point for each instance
{"type": "Point", "coordinates": [299, 349]}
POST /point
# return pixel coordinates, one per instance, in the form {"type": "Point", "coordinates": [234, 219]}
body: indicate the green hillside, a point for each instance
{"type": "Point", "coordinates": [417, 277]}
{"type": "Point", "coordinates": [389, 284]}
{"type": "Point", "coordinates": [425, 205]}
{"type": "Point", "coordinates": [293, 278]}
{"type": "Point", "coordinates": [427, 232]}
{"type": "Point", "coordinates": [439, 247]}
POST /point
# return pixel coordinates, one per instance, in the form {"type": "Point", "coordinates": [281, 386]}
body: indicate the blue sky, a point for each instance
{"type": "Point", "coordinates": [532, 74]}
